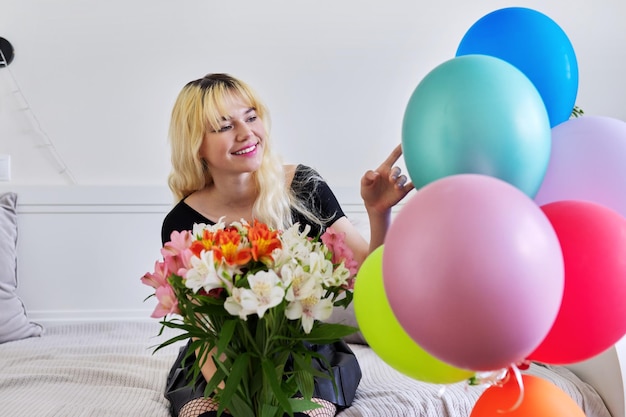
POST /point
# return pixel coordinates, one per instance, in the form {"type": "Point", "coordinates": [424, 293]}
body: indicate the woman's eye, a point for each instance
{"type": "Point", "coordinates": [252, 118]}
{"type": "Point", "coordinates": [224, 128]}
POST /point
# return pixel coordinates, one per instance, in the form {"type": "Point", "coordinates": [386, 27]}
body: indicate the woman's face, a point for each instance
{"type": "Point", "coordinates": [237, 145]}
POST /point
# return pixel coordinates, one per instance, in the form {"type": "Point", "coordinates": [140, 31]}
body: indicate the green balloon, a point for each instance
{"type": "Point", "coordinates": [385, 335]}
{"type": "Point", "coordinates": [477, 114]}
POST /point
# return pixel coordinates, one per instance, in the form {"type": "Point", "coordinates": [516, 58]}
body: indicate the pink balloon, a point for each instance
{"type": "Point", "coordinates": [473, 271]}
{"type": "Point", "coordinates": [587, 162]}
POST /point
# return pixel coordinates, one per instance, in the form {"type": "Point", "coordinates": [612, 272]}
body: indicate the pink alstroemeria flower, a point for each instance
{"type": "Point", "coordinates": [176, 253]}
{"type": "Point", "coordinates": [168, 304]}
{"type": "Point", "coordinates": [341, 252]}
{"type": "Point", "coordinates": [158, 278]}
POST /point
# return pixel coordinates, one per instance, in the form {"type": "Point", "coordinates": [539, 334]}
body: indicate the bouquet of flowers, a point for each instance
{"type": "Point", "coordinates": [249, 297]}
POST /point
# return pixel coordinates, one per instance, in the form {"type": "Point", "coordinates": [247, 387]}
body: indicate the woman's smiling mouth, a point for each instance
{"type": "Point", "coordinates": [246, 150]}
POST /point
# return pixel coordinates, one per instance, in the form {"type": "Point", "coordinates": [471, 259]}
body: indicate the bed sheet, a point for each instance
{"type": "Point", "coordinates": [108, 369]}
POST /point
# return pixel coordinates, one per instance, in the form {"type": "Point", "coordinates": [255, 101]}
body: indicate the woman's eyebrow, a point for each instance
{"type": "Point", "coordinates": [250, 110]}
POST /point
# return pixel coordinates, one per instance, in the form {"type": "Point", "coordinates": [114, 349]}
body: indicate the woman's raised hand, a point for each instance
{"type": "Point", "coordinates": [384, 187]}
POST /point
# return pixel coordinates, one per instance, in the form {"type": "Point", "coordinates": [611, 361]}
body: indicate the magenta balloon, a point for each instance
{"type": "Point", "coordinates": [473, 271]}
{"type": "Point", "coordinates": [587, 162]}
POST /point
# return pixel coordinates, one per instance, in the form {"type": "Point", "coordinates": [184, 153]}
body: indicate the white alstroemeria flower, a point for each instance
{"type": "Point", "coordinates": [340, 276]}
{"type": "Point", "coordinates": [233, 304]}
{"type": "Point", "coordinates": [241, 225]}
{"type": "Point", "coordinates": [294, 235]}
{"type": "Point", "coordinates": [320, 266]}
{"type": "Point", "coordinates": [227, 272]}
{"type": "Point", "coordinates": [288, 272]}
{"type": "Point", "coordinates": [300, 284]}
{"type": "Point", "coordinates": [203, 273]}
{"type": "Point", "coordinates": [199, 228]}
{"type": "Point", "coordinates": [265, 292]}
{"type": "Point", "coordinates": [295, 245]}
{"type": "Point", "coordinates": [310, 309]}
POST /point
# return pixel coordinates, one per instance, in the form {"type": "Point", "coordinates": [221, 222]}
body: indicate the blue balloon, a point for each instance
{"type": "Point", "coordinates": [537, 46]}
{"type": "Point", "coordinates": [477, 114]}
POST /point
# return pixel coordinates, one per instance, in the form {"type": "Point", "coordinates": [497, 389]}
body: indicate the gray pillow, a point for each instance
{"type": "Point", "coordinates": [14, 324]}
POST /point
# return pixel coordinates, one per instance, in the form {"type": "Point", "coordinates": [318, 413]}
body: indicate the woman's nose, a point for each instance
{"type": "Point", "coordinates": [243, 132]}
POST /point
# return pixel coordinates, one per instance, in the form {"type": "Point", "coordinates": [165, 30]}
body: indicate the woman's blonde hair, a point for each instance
{"type": "Point", "coordinates": [200, 106]}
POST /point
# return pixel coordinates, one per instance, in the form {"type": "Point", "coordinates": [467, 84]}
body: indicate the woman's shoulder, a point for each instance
{"type": "Point", "coordinates": [179, 208]}
{"type": "Point", "coordinates": [303, 173]}
{"type": "Point", "coordinates": [296, 174]}
{"type": "Point", "coordinates": [307, 180]}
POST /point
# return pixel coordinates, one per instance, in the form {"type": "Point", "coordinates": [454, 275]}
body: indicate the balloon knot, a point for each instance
{"type": "Point", "coordinates": [489, 378]}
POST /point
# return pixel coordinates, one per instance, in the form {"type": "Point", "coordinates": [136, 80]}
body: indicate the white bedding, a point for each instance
{"type": "Point", "coordinates": [107, 369]}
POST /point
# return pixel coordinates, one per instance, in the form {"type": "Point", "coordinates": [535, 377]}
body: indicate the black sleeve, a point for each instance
{"type": "Point", "coordinates": [307, 185]}
{"type": "Point", "coordinates": [327, 203]}
{"type": "Point", "coordinates": [315, 193]}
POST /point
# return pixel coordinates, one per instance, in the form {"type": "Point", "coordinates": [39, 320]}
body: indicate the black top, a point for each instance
{"type": "Point", "coordinates": [316, 195]}
{"type": "Point", "coordinates": [312, 190]}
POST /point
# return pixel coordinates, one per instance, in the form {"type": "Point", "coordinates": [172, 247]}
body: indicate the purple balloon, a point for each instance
{"type": "Point", "coordinates": [473, 271]}
{"type": "Point", "coordinates": [587, 162]}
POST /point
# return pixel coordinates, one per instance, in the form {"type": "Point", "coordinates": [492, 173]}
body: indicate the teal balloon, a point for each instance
{"type": "Point", "coordinates": [537, 46]}
{"type": "Point", "coordinates": [477, 114]}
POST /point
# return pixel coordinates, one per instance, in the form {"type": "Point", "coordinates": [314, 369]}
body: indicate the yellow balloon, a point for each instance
{"type": "Point", "coordinates": [385, 335]}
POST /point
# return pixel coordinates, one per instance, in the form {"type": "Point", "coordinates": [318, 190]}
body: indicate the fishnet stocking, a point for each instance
{"type": "Point", "coordinates": [328, 409]}
{"type": "Point", "coordinates": [196, 407]}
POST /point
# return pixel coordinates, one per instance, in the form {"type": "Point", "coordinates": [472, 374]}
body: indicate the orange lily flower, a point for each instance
{"type": "Point", "coordinates": [263, 241]}
{"type": "Point", "coordinates": [205, 243]}
{"type": "Point", "coordinates": [227, 247]}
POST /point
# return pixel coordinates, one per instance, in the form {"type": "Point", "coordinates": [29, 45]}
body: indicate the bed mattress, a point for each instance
{"type": "Point", "coordinates": [108, 369]}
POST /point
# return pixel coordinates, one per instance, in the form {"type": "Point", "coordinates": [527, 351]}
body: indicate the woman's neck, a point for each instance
{"type": "Point", "coordinates": [237, 192]}
{"type": "Point", "coordinates": [232, 199]}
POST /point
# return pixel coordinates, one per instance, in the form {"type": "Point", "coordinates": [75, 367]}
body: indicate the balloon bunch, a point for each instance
{"type": "Point", "coordinates": [512, 250]}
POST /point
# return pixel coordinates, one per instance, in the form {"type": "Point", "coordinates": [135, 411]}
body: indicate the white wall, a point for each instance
{"type": "Point", "coordinates": [101, 76]}
{"type": "Point", "coordinates": [82, 249]}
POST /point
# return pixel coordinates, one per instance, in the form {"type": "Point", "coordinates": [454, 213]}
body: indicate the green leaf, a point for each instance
{"type": "Point", "coordinates": [302, 362]}
{"type": "Point", "coordinates": [233, 379]}
{"type": "Point", "coordinates": [323, 333]}
{"type": "Point", "coordinates": [300, 404]}
{"type": "Point", "coordinates": [268, 369]}
{"type": "Point", "coordinates": [261, 332]}
{"type": "Point", "coordinates": [226, 334]}
{"type": "Point", "coordinates": [268, 410]}
{"type": "Point", "coordinates": [202, 354]}
{"type": "Point", "coordinates": [305, 383]}
{"type": "Point", "coordinates": [240, 407]}
{"type": "Point", "coordinates": [215, 380]}
{"type": "Point", "coordinates": [344, 301]}
{"type": "Point", "coordinates": [576, 112]}
{"type": "Point", "coordinates": [256, 384]}
{"type": "Point", "coordinates": [170, 341]}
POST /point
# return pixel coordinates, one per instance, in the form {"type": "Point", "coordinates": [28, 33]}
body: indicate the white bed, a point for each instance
{"type": "Point", "coordinates": [107, 369]}
{"type": "Point", "coordinates": [80, 254]}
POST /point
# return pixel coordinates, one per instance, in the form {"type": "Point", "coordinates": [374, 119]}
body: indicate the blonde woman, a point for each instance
{"type": "Point", "coordinates": [223, 166]}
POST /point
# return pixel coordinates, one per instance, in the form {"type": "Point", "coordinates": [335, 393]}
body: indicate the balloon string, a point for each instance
{"type": "Point", "coordinates": [520, 384]}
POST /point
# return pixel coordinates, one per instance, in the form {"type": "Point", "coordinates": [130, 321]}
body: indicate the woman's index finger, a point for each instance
{"type": "Point", "coordinates": [393, 156]}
